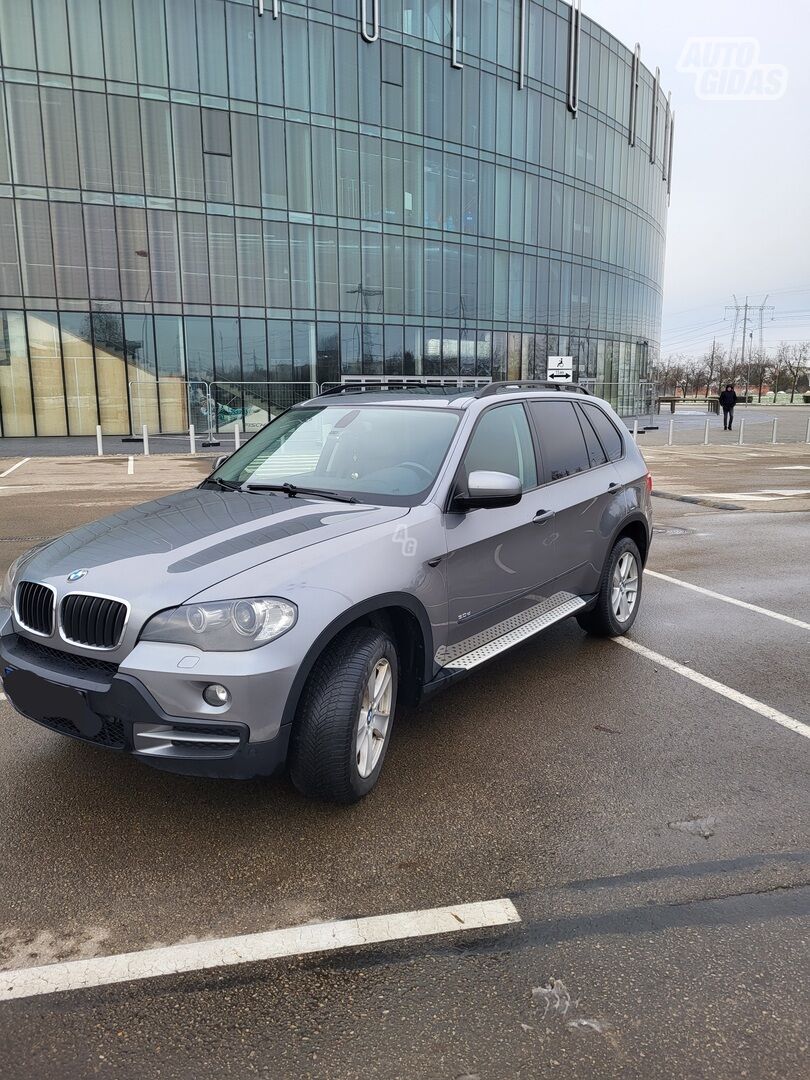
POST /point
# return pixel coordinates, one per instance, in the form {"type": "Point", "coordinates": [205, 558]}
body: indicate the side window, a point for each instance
{"type": "Point", "coordinates": [502, 442]}
{"type": "Point", "coordinates": [562, 444]}
{"type": "Point", "coordinates": [606, 430]}
{"type": "Point", "coordinates": [596, 455]}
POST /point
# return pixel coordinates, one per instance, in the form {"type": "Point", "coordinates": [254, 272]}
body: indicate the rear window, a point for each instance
{"type": "Point", "coordinates": [605, 429]}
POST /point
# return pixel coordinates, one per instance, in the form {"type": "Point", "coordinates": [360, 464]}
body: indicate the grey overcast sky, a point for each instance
{"type": "Point", "coordinates": [739, 221]}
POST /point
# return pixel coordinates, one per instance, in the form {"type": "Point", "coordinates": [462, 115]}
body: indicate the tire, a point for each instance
{"type": "Point", "coordinates": [603, 620]}
{"type": "Point", "coordinates": [328, 748]}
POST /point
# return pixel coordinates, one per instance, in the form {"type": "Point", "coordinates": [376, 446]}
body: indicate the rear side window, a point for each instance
{"type": "Point", "coordinates": [606, 430]}
{"type": "Point", "coordinates": [502, 442]}
{"type": "Point", "coordinates": [562, 444]}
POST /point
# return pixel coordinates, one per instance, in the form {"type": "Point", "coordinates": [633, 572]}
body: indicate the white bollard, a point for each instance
{"type": "Point", "coordinates": [807, 436]}
{"type": "Point", "coordinates": [145, 441]}
{"type": "Point", "coordinates": [706, 433]}
{"type": "Point", "coordinates": [635, 428]}
{"type": "Point", "coordinates": [236, 438]}
{"type": "Point", "coordinates": [100, 448]}
{"type": "Point", "coordinates": [192, 442]}
{"type": "Point", "coordinates": [671, 436]}
{"type": "Point", "coordinates": [773, 432]}
{"type": "Point", "coordinates": [742, 429]}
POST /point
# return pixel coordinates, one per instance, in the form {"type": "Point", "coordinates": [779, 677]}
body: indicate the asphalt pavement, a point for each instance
{"type": "Point", "coordinates": [646, 813]}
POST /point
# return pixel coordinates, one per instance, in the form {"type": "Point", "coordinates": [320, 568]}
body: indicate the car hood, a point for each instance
{"type": "Point", "coordinates": [166, 551]}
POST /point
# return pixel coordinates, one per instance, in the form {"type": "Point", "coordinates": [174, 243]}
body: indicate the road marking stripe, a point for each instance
{"type": "Point", "coordinates": [13, 467]}
{"type": "Point", "coordinates": [131, 465]}
{"type": "Point", "coordinates": [249, 948]}
{"type": "Point", "coordinates": [718, 688]}
{"type": "Point", "coordinates": [730, 600]}
{"type": "Point", "coordinates": [3, 696]}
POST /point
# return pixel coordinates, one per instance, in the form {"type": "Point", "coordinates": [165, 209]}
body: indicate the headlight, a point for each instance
{"type": "Point", "coordinates": [225, 625]}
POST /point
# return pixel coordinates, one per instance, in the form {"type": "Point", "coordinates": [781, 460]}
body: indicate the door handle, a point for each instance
{"type": "Point", "coordinates": [542, 516]}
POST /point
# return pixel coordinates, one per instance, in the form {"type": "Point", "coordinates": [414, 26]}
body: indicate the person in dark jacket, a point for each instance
{"type": "Point", "coordinates": [728, 399]}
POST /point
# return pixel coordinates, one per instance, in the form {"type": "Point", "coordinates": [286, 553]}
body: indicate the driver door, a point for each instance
{"type": "Point", "coordinates": [494, 554]}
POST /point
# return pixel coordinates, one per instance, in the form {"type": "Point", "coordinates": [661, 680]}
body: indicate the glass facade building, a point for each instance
{"type": "Point", "coordinates": [228, 193]}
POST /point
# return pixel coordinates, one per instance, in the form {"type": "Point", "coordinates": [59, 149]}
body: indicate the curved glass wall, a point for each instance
{"type": "Point", "coordinates": [194, 193]}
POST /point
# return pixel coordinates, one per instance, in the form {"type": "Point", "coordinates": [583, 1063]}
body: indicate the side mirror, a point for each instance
{"type": "Point", "coordinates": [220, 461]}
{"type": "Point", "coordinates": [489, 490]}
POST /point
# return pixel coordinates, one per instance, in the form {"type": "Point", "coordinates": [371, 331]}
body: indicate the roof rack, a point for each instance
{"type": "Point", "coordinates": [528, 384]}
{"type": "Point", "coordinates": [434, 384]}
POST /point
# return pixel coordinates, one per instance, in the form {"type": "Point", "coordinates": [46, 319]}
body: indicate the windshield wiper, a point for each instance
{"type": "Point", "coordinates": [225, 485]}
{"type": "Point", "coordinates": [292, 490]}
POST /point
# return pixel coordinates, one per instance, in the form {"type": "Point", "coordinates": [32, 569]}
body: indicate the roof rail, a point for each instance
{"type": "Point", "coordinates": [528, 384]}
{"type": "Point", "coordinates": [404, 385]}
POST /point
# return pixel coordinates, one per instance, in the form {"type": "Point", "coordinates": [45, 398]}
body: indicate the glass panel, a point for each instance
{"type": "Point", "coordinates": [279, 349]}
{"type": "Point", "coordinates": [50, 20]}
{"type": "Point", "coordinates": [16, 408]}
{"type": "Point", "coordinates": [111, 373]}
{"type": "Point", "coordinates": [327, 361]}
{"type": "Point", "coordinates": [150, 35]}
{"type": "Point", "coordinates": [119, 39]}
{"type": "Point", "coordinates": [17, 36]}
{"type": "Point", "coordinates": [277, 263]}
{"type": "Point", "coordinates": [5, 151]}
{"type": "Point", "coordinates": [241, 54]}
{"type": "Point", "coordinates": [139, 346]}
{"type": "Point", "coordinates": [211, 40]}
{"type": "Point", "coordinates": [95, 166]}
{"type": "Point", "coordinates": [36, 253]}
{"type": "Point", "coordinates": [250, 262]}
{"type": "Point", "coordinates": [299, 168]}
{"type": "Point", "coordinates": [323, 171]}
{"type": "Point", "coordinates": [273, 163]}
{"type": "Point", "coordinates": [84, 20]}
{"type": "Point", "coordinates": [326, 269]}
{"type": "Point", "coordinates": [46, 373]}
{"type": "Point", "coordinates": [322, 75]}
{"type": "Point", "coordinates": [25, 134]}
{"type": "Point", "coordinates": [171, 366]}
{"type": "Point", "coordinates": [188, 157]}
{"type": "Point", "coordinates": [157, 148]}
{"type": "Point", "coordinates": [125, 142]}
{"type": "Point", "coordinates": [246, 180]}
{"type": "Point", "coordinates": [133, 253]}
{"type": "Point", "coordinates": [59, 130]}
{"type": "Point", "coordinates": [193, 239]}
{"type": "Point", "coordinates": [68, 250]}
{"type": "Point", "coordinates": [199, 349]}
{"type": "Point", "coordinates": [228, 359]}
{"type": "Point", "coordinates": [254, 352]}
{"type": "Point", "coordinates": [303, 335]}
{"type": "Point", "coordinates": [270, 66]}
{"type": "Point", "coordinates": [163, 257]}
{"type": "Point", "coordinates": [102, 252]}
{"type": "Point", "coordinates": [222, 258]}
{"type": "Point", "coordinates": [182, 41]}
{"type": "Point", "coordinates": [302, 268]}
{"type": "Point", "coordinates": [296, 63]}
{"type": "Point", "coordinates": [346, 74]}
{"type": "Point", "coordinates": [80, 382]}
{"type": "Point", "coordinates": [10, 284]}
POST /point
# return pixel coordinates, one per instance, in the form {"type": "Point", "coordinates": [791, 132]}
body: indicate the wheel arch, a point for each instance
{"type": "Point", "coordinates": [401, 616]}
{"type": "Point", "coordinates": [638, 529]}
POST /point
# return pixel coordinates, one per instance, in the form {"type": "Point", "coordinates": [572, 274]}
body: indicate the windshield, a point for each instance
{"type": "Point", "coordinates": [385, 454]}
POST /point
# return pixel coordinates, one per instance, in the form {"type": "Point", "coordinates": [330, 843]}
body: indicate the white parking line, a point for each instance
{"type": "Point", "coordinates": [730, 600]}
{"type": "Point", "coordinates": [248, 948]}
{"type": "Point", "coordinates": [131, 465]}
{"type": "Point", "coordinates": [718, 687]}
{"type": "Point", "coordinates": [13, 467]}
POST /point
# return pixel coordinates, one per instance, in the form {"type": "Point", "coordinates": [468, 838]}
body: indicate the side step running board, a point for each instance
{"type": "Point", "coordinates": [484, 646]}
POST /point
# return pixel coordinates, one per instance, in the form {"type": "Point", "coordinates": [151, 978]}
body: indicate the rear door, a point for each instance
{"type": "Point", "coordinates": [582, 488]}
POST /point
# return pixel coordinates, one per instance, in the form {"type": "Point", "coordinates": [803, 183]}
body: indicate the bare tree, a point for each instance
{"type": "Point", "coordinates": [795, 365]}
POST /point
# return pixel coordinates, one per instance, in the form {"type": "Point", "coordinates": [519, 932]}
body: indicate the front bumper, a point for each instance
{"type": "Point", "coordinates": [109, 708]}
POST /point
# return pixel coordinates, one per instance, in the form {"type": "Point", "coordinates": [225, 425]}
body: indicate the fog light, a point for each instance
{"type": "Point", "coordinates": [216, 695]}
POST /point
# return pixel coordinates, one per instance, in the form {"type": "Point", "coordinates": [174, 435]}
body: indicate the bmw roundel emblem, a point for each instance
{"type": "Point", "coordinates": [76, 575]}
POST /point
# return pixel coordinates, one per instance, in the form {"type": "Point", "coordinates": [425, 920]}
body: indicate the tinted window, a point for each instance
{"type": "Point", "coordinates": [596, 455]}
{"type": "Point", "coordinates": [606, 430]}
{"type": "Point", "coordinates": [502, 442]}
{"type": "Point", "coordinates": [562, 444]}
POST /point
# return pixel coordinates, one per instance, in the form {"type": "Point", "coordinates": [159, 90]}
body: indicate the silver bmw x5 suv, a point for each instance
{"type": "Point", "coordinates": [365, 548]}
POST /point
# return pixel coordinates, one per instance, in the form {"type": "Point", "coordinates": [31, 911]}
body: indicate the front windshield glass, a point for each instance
{"type": "Point", "coordinates": [378, 454]}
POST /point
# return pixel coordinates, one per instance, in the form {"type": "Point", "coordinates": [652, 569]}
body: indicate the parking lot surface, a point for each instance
{"type": "Point", "coordinates": [644, 807]}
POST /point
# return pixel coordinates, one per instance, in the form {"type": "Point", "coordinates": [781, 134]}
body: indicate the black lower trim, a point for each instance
{"type": "Point", "coordinates": [105, 718]}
